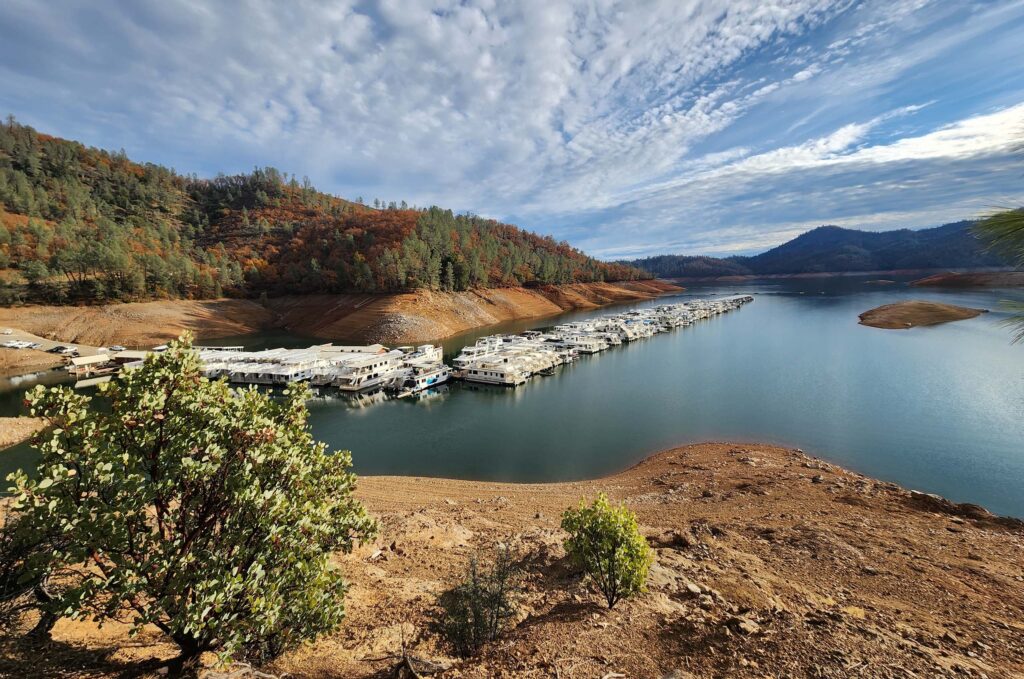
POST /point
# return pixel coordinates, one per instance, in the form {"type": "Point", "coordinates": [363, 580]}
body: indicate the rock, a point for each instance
{"type": "Point", "coordinates": [949, 637]}
{"type": "Point", "coordinates": [672, 538]}
{"type": "Point", "coordinates": [706, 602]}
{"type": "Point", "coordinates": [694, 589]}
{"type": "Point", "coordinates": [818, 479]}
{"type": "Point", "coordinates": [743, 625]}
{"type": "Point", "coordinates": [677, 674]}
{"type": "Point", "coordinates": [855, 612]}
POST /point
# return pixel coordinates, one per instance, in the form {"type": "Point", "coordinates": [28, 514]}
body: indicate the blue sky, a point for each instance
{"type": "Point", "coordinates": [626, 128]}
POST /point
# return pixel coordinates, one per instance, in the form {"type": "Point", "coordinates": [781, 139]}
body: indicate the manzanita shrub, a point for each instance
{"type": "Point", "coordinates": [605, 542]}
{"type": "Point", "coordinates": [207, 511]}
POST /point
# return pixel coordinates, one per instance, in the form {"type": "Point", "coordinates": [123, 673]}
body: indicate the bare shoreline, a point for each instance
{"type": "Point", "coordinates": [394, 318]}
{"type": "Point", "coordinates": [15, 430]}
{"type": "Point", "coordinates": [915, 313]}
{"type": "Point", "coordinates": [767, 562]}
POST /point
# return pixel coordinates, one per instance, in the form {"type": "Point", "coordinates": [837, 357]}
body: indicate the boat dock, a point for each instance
{"type": "Point", "coordinates": [511, 360]}
{"type": "Point", "coordinates": [502, 360]}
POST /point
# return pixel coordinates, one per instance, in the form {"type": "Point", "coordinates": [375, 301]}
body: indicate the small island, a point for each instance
{"type": "Point", "coordinates": [913, 313]}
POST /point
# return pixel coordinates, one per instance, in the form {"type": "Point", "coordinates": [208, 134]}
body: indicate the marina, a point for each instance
{"type": "Point", "coordinates": [508, 360]}
{"type": "Point", "coordinates": [511, 360]}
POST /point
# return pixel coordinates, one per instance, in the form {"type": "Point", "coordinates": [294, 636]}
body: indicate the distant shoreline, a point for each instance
{"type": "Point", "coordinates": [841, 274]}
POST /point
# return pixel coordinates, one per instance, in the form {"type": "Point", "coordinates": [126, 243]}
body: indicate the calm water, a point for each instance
{"type": "Point", "coordinates": [939, 409]}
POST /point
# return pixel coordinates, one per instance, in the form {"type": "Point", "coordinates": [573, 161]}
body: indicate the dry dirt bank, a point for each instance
{"type": "Point", "coordinates": [768, 564]}
{"type": "Point", "coordinates": [426, 315]}
{"type": "Point", "coordinates": [17, 429]}
{"type": "Point", "coordinates": [913, 313]}
{"type": "Point", "coordinates": [21, 361]}
{"type": "Point", "coordinates": [399, 318]}
{"type": "Point", "coordinates": [138, 324]}
{"type": "Point", "coordinates": [989, 279]}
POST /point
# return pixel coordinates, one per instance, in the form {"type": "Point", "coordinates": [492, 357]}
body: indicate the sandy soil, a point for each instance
{"type": "Point", "coordinates": [426, 315]}
{"type": "Point", "coordinates": [138, 324]}
{"type": "Point", "coordinates": [912, 313]}
{"type": "Point", "coordinates": [21, 361]}
{"type": "Point", "coordinates": [395, 319]}
{"type": "Point", "coordinates": [14, 430]}
{"type": "Point", "coordinates": [991, 279]}
{"type": "Point", "coordinates": [769, 563]}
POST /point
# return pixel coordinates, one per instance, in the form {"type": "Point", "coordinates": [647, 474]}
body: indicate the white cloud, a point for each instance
{"type": "Point", "coordinates": [616, 124]}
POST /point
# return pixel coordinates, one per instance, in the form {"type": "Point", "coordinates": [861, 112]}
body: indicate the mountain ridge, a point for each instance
{"type": "Point", "coordinates": [835, 249]}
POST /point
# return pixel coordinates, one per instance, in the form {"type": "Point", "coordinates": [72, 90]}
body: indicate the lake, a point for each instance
{"type": "Point", "coordinates": [938, 409]}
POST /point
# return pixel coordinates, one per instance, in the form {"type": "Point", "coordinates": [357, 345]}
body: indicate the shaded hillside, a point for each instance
{"type": "Point", "coordinates": [81, 224]}
{"type": "Point", "coordinates": [834, 249]}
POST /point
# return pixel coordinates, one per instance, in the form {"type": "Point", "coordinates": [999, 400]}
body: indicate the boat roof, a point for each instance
{"type": "Point", "coordinates": [89, 360]}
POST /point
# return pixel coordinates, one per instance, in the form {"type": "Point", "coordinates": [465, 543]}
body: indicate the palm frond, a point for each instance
{"type": "Point", "coordinates": [1016, 321]}
{"type": "Point", "coordinates": [1004, 233]}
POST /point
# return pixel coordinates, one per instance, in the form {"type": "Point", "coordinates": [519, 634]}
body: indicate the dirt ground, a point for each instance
{"type": "Point", "coordinates": [769, 563]}
{"type": "Point", "coordinates": [914, 313]}
{"type": "Point", "coordinates": [987, 279]}
{"type": "Point", "coordinates": [17, 429]}
{"type": "Point", "coordinates": [394, 319]}
{"type": "Point", "coordinates": [138, 324]}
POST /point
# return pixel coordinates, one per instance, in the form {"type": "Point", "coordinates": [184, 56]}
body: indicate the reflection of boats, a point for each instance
{"type": "Point", "coordinates": [432, 394]}
{"type": "Point", "coordinates": [93, 381]}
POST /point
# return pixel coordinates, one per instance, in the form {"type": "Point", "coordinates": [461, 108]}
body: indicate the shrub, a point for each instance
{"type": "Point", "coordinates": [206, 511]}
{"type": "Point", "coordinates": [605, 543]}
{"type": "Point", "coordinates": [477, 610]}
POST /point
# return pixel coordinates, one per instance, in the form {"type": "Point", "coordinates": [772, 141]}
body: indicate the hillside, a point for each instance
{"type": "Point", "coordinates": [81, 224]}
{"type": "Point", "coordinates": [831, 249]}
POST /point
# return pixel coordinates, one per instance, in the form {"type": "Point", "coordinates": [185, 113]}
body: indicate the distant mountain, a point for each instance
{"type": "Point", "coordinates": [832, 249]}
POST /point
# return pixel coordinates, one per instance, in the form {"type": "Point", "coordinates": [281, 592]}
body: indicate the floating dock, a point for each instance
{"type": "Point", "coordinates": [503, 360]}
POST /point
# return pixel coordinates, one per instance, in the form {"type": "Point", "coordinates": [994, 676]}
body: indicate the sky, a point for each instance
{"type": "Point", "coordinates": [626, 128]}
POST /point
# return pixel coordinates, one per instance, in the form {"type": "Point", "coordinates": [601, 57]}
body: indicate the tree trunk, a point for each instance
{"type": "Point", "coordinates": [41, 632]}
{"type": "Point", "coordinates": [186, 664]}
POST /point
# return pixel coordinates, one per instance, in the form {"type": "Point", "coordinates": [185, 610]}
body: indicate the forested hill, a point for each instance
{"type": "Point", "coordinates": [81, 224]}
{"type": "Point", "coordinates": [834, 249]}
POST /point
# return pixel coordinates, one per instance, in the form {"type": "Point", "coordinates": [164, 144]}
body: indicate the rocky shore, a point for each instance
{"type": "Point", "coordinates": [769, 563]}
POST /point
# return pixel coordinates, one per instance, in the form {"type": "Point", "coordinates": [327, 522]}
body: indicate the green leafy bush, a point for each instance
{"type": "Point", "coordinates": [477, 610]}
{"type": "Point", "coordinates": [208, 512]}
{"type": "Point", "coordinates": [606, 544]}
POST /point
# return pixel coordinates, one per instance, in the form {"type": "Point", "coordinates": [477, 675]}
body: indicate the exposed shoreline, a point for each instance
{"type": "Point", "coordinates": [972, 279]}
{"type": "Point", "coordinates": [15, 430]}
{"type": "Point", "coordinates": [768, 562]}
{"type": "Point", "coordinates": [915, 313]}
{"type": "Point", "coordinates": [393, 318]}
{"type": "Point", "coordinates": [925, 273]}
